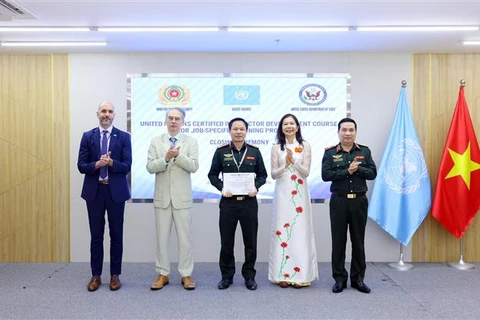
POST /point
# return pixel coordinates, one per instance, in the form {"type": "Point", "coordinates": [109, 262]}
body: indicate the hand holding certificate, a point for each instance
{"type": "Point", "coordinates": [240, 183]}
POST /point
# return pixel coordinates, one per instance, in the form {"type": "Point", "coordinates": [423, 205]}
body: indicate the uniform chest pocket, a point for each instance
{"type": "Point", "coordinates": [227, 164]}
{"type": "Point", "coordinates": [339, 163]}
{"type": "Point", "coordinates": [250, 163]}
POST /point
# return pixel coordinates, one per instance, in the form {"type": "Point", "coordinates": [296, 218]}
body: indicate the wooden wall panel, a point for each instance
{"type": "Point", "coordinates": [436, 84]}
{"type": "Point", "coordinates": [61, 161]}
{"type": "Point", "coordinates": [34, 161]}
{"type": "Point", "coordinates": [421, 113]}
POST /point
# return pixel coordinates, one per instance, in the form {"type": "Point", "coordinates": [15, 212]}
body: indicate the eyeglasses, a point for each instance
{"type": "Point", "coordinates": [169, 118]}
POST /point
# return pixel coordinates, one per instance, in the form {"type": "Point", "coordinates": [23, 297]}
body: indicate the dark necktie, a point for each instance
{"type": "Point", "coordinates": [104, 169]}
{"type": "Point", "coordinates": [173, 141]}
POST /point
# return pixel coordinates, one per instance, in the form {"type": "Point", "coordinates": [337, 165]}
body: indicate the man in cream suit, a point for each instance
{"type": "Point", "coordinates": [172, 157]}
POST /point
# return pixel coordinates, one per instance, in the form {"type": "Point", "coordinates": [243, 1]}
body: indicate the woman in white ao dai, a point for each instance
{"type": "Point", "coordinates": [293, 256]}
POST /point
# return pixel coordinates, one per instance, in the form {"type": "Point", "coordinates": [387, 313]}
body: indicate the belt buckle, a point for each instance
{"type": "Point", "coordinates": [240, 198]}
{"type": "Point", "coordinates": [351, 195]}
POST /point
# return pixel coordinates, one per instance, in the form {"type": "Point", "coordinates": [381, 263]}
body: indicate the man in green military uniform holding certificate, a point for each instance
{"type": "Point", "coordinates": [238, 206]}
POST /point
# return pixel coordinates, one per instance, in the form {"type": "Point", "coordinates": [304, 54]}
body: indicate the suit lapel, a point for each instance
{"type": "Point", "coordinates": [165, 141]}
{"type": "Point", "coordinates": [179, 140]}
{"type": "Point", "coordinates": [113, 139]}
{"type": "Point", "coordinates": [96, 142]}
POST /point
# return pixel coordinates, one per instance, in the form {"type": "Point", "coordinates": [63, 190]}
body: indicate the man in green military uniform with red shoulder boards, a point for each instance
{"type": "Point", "coordinates": [348, 165]}
{"type": "Point", "coordinates": [238, 157]}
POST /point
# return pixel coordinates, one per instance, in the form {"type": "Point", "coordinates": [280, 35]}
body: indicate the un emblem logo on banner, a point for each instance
{"type": "Point", "coordinates": [406, 168]}
{"type": "Point", "coordinates": [241, 95]}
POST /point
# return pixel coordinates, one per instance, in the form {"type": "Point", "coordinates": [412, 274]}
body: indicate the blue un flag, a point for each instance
{"type": "Point", "coordinates": [401, 195]}
{"type": "Point", "coordinates": [241, 95]}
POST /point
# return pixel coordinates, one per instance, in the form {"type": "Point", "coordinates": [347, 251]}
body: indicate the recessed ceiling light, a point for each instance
{"type": "Point", "coordinates": [53, 44]}
{"type": "Point", "coordinates": [419, 28]}
{"type": "Point", "coordinates": [44, 29]}
{"type": "Point", "coordinates": [157, 29]}
{"type": "Point", "coordinates": [470, 42]}
{"type": "Point", "coordinates": [287, 29]}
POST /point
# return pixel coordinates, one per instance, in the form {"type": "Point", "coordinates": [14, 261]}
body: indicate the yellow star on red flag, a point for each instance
{"type": "Point", "coordinates": [463, 165]}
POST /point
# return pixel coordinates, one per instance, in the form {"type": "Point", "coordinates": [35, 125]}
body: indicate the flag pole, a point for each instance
{"type": "Point", "coordinates": [461, 265]}
{"type": "Point", "coordinates": [400, 265]}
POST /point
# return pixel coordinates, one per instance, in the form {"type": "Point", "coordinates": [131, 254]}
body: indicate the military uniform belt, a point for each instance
{"type": "Point", "coordinates": [350, 195]}
{"type": "Point", "coordinates": [236, 198]}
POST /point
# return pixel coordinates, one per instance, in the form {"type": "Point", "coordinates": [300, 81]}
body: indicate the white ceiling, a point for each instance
{"type": "Point", "coordinates": [351, 13]}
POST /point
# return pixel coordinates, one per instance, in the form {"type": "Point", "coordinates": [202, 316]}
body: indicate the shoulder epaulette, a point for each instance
{"type": "Point", "coordinates": [223, 145]}
{"type": "Point", "coordinates": [331, 147]}
{"type": "Point", "coordinates": [361, 145]}
{"type": "Point", "coordinates": [251, 145]}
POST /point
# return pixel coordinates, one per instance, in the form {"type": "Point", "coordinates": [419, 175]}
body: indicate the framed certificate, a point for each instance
{"type": "Point", "coordinates": [240, 183]}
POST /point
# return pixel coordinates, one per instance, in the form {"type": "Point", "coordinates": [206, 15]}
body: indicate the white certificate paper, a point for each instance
{"type": "Point", "coordinates": [240, 183]}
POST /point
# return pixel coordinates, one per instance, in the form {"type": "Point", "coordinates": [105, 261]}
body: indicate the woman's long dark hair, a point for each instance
{"type": "Point", "coordinates": [281, 136]}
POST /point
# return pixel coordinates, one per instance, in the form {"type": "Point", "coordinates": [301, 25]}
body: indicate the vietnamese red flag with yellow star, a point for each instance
{"type": "Point", "coordinates": [457, 194]}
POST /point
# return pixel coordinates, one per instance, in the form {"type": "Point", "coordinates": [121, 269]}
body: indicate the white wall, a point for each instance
{"type": "Point", "coordinates": [97, 77]}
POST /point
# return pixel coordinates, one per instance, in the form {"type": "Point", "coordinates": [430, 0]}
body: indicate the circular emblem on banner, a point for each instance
{"type": "Point", "coordinates": [313, 94]}
{"type": "Point", "coordinates": [241, 94]}
{"type": "Point", "coordinates": [406, 168]}
{"type": "Point", "coordinates": [174, 94]}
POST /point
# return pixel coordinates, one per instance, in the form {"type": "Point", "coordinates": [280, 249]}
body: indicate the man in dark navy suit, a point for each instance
{"type": "Point", "coordinates": [105, 157]}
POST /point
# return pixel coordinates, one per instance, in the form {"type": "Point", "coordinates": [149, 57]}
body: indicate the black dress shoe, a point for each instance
{"type": "Point", "coordinates": [225, 283]}
{"type": "Point", "coordinates": [251, 284]}
{"type": "Point", "coordinates": [360, 286]}
{"type": "Point", "coordinates": [339, 286]}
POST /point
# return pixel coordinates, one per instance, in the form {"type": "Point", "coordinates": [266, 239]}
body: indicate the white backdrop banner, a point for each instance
{"type": "Point", "coordinates": [210, 101]}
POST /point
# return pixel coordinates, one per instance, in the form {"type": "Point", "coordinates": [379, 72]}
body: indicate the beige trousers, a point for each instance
{"type": "Point", "coordinates": [164, 219]}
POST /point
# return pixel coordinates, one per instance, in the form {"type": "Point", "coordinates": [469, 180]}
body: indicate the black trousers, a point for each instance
{"type": "Point", "coordinates": [233, 211]}
{"type": "Point", "coordinates": [96, 218]}
{"type": "Point", "coordinates": [348, 214]}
